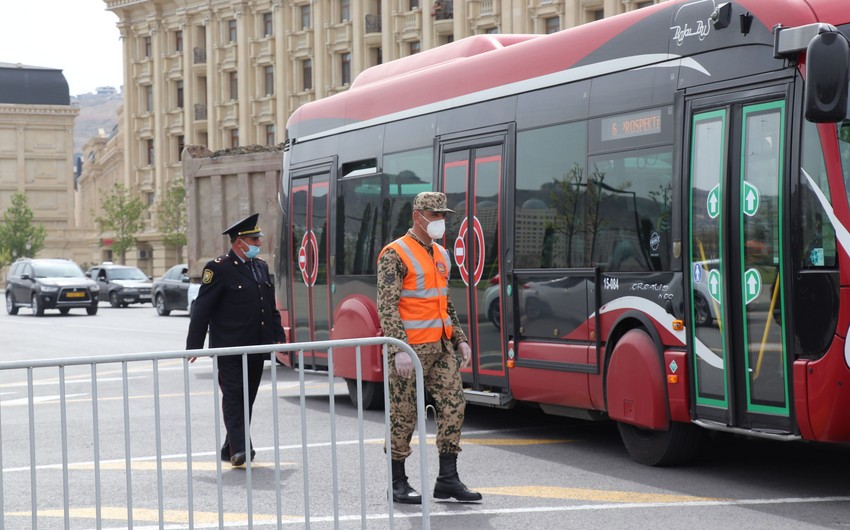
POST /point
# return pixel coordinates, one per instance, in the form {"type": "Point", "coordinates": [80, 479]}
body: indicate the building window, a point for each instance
{"type": "Point", "coordinates": [180, 94]}
{"type": "Point", "coordinates": [269, 80]}
{"type": "Point", "coordinates": [344, 10]}
{"type": "Point", "coordinates": [234, 137]}
{"type": "Point", "coordinates": [149, 145]}
{"type": "Point", "coordinates": [645, 4]}
{"type": "Point", "coordinates": [492, 31]}
{"type": "Point", "coordinates": [552, 25]}
{"type": "Point", "coordinates": [268, 25]}
{"type": "Point", "coordinates": [415, 47]}
{"type": "Point", "coordinates": [270, 134]}
{"type": "Point", "coordinates": [234, 86]}
{"type": "Point", "coordinates": [414, 4]}
{"type": "Point", "coordinates": [307, 74]}
{"type": "Point", "coordinates": [150, 197]}
{"type": "Point", "coordinates": [345, 60]}
{"type": "Point", "coordinates": [231, 30]}
{"type": "Point", "coordinates": [148, 47]}
{"type": "Point", "coordinates": [596, 14]}
{"type": "Point", "coordinates": [181, 143]}
{"type": "Point", "coordinates": [149, 98]}
{"type": "Point", "coordinates": [305, 17]}
{"type": "Point", "coordinates": [178, 41]}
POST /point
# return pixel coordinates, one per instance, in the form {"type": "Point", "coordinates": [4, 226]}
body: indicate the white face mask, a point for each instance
{"type": "Point", "coordinates": [435, 229]}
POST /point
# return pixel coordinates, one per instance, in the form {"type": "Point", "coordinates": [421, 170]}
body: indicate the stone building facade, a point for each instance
{"type": "Point", "coordinates": [37, 153]}
{"type": "Point", "coordinates": [224, 73]}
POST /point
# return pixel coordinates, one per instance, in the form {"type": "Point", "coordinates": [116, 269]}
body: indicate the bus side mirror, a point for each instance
{"type": "Point", "coordinates": [827, 63]}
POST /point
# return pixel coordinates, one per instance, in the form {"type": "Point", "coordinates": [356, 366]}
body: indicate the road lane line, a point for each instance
{"type": "Point", "coordinates": [584, 494]}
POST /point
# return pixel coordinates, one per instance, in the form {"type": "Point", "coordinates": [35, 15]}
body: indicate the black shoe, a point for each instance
{"type": "Point", "coordinates": [238, 459]}
{"type": "Point", "coordinates": [402, 491]}
{"type": "Point", "coordinates": [225, 454]}
{"type": "Point", "coordinates": [448, 482]}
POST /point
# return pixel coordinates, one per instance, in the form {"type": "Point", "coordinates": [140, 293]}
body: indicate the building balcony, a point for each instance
{"type": "Point", "coordinates": [409, 24]}
{"type": "Point", "coordinates": [174, 66]}
{"type": "Point", "coordinates": [262, 109]}
{"type": "Point", "coordinates": [199, 56]}
{"type": "Point", "coordinates": [144, 176]}
{"type": "Point", "coordinates": [143, 125]}
{"type": "Point", "coordinates": [262, 49]}
{"type": "Point", "coordinates": [229, 58]}
{"type": "Point", "coordinates": [174, 121]}
{"type": "Point", "coordinates": [229, 114]}
{"type": "Point", "coordinates": [142, 71]}
{"type": "Point", "coordinates": [300, 43]}
{"type": "Point", "coordinates": [339, 34]}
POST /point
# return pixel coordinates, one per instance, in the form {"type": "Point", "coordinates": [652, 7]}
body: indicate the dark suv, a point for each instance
{"type": "Point", "coordinates": [122, 285]}
{"type": "Point", "coordinates": [49, 284]}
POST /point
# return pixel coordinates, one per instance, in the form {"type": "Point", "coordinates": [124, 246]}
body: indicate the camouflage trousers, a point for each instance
{"type": "Point", "coordinates": [441, 375]}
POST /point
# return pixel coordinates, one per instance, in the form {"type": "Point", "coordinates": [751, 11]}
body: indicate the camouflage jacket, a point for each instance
{"type": "Point", "coordinates": [391, 273]}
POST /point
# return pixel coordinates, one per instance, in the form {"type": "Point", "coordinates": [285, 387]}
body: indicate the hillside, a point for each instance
{"type": "Point", "coordinates": [98, 111]}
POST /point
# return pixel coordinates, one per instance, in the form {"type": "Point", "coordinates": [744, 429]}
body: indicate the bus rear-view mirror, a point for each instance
{"type": "Point", "coordinates": [827, 63]}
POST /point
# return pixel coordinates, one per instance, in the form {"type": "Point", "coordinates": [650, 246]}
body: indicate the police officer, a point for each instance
{"type": "Point", "coordinates": [236, 302]}
{"type": "Point", "coordinates": [414, 306]}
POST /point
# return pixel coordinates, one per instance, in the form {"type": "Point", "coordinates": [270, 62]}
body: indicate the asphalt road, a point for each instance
{"type": "Point", "coordinates": [535, 471]}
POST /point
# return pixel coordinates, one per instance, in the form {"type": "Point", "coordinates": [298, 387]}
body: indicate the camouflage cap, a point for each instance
{"type": "Point", "coordinates": [433, 201]}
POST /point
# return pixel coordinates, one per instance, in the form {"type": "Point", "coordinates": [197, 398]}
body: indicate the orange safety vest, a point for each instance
{"type": "Point", "coordinates": [423, 303]}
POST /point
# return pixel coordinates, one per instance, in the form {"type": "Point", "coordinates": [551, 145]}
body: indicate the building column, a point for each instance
{"type": "Point", "coordinates": [247, 132]}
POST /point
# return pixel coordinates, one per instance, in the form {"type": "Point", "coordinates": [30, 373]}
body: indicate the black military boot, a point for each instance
{"type": "Point", "coordinates": [448, 483]}
{"type": "Point", "coordinates": [402, 492]}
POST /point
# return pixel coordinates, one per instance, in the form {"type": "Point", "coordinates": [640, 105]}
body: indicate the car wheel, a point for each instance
{"type": "Point", "coordinates": [113, 299]}
{"type": "Point", "coordinates": [37, 307]}
{"type": "Point", "coordinates": [92, 309]}
{"type": "Point", "coordinates": [702, 311]}
{"type": "Point", "coordinates": [161, 310]}
{"type": "Point", "coordinates": [64, 310]}
{"type": "Point", "coordinates": [494, 313]}
{"type": "Point", "coordinates": [373, 394]}
{"type": "Point", "coordinates": [11, 308]}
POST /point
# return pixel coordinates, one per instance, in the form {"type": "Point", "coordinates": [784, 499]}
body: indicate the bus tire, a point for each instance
{"type": "Point", "coordinates": [677, 446]}
{"type": "Point", "coordinates": [373, 394]}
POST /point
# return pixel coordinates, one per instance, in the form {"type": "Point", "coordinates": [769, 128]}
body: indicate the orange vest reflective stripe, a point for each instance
{"type": "Point", "coordinates": [423, 304]}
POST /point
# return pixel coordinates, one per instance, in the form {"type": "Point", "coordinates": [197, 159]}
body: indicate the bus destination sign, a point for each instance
{"type": "Point", "coordinates": [631, 125]}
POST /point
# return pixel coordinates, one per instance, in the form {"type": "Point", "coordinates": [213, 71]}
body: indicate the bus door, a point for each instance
{"type": "Point", "coordinates": [736, 273]}
{"type": "Point", "coordinates": [310, 287]}
{"type": "Point", "coordinates": [472, 177]}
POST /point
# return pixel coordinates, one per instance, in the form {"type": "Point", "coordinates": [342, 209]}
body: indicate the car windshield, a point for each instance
{"type": "Point", "coordinates": [127, 274]}
{"type": "Point", "coordinates": [56, 270]}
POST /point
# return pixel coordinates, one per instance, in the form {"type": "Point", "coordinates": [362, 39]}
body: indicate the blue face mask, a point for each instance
{"type": "Point", "coordinates": [252, 252]}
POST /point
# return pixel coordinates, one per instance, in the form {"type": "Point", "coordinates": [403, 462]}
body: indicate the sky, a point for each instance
{"type": "Point", "coordinates": [77, 36]}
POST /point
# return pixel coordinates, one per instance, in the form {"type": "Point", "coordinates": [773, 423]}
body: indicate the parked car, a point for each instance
{"type": "Point", "coordinates": [171, 289]}
{"type": "Point", "coordinates": [191, 295]}
{"type": "Point", "coordinates": [49, 284]}
{"type": "Point", "coordinates": [122, 285]}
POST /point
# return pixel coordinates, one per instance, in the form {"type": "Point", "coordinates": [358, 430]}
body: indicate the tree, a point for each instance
{"type": "Point", "coordinates": [122, 218]}
{"type": "Point", "coordinates": [171, 216]}
{"type": "Point", "coordinates": [19, 237]}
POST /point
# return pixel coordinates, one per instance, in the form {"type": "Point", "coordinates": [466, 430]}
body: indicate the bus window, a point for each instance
{"type": "Point", "coordinates": [628, 210]}
{"type": "Point", "coordinates": [818, 249]}
{"type": "Point", "coordinates": [550, 187]}
{"type": "Point", "coordinates": [376, 209]}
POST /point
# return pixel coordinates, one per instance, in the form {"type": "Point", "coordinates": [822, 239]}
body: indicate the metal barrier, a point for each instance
{"type": "Point", "coordinates": [12, 440]}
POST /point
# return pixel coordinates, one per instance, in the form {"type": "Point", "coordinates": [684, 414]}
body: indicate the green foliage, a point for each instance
{"type": "Point", "coordinates": [171, 215]}
{"type": "Point", "coordinates": [19, 237]}
{"type": "Point", "coordinates": [122, 219]}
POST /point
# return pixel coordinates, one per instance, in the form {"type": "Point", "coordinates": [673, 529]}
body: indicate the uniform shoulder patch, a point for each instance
{"type": "Point", "coordinates": [217, 260]}
{"type": "Point", "coordinates": [208, 276]}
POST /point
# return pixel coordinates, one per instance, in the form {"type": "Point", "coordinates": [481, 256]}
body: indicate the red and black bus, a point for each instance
{"type": "Point", "coordinates": [651, 225]}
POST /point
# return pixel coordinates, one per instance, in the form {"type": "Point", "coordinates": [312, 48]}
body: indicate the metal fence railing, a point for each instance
{"type": "Point", "coordinates": [108, 443]}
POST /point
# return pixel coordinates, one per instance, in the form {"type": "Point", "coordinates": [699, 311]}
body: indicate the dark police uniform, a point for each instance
{"type": "Point", "coordinates": [236, 302]}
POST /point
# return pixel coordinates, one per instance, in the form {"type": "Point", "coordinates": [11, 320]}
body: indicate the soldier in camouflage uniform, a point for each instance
{"type": "Point", "coordinates": [414, 306]}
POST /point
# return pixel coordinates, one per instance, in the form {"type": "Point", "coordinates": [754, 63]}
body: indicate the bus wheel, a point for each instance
{"type": "Point", "coordinates": [677, 446]}
{"type": "Point", "coordinates": [373, 394]}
